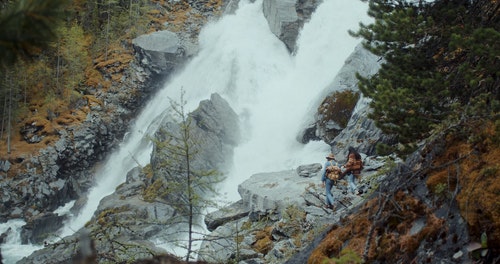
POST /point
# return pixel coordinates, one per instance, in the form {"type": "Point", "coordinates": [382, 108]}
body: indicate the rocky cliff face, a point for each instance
{"type": "Point", "coordinates": [404, 217]}
{"type": "Point", "coordinates": [62, 172]}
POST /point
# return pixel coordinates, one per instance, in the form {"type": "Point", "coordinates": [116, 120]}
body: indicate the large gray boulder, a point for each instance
{"type": "Point", "coordinates": [215, 128]}
{"type": "Point", "coordinates": [161, 51]}
{"type": "Point", "coordinates": [229, 213]}
{"type": "Point", "coordinates": [273, 191]}
{"type": "Point", "coordinates": [218, 125]}
{"type": "Point", "coordinates": [287, 17]}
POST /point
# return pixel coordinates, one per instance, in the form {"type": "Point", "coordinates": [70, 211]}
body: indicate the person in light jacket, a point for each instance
{"type": "Point", "coordinates": [327, 183]}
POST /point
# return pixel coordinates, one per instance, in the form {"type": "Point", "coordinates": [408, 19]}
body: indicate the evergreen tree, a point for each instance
{"type": "Point", "coordinates": [438, 57]}
{"type": "Point", "coordinates": [26, 26]}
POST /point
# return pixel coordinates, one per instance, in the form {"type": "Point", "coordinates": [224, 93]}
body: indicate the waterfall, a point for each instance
{"type": "Point", "coordinates": [274, 117]}
{"type": "Point", "coordinates": [269, 89]}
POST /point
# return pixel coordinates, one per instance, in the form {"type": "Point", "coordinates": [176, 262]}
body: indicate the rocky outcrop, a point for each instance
{"type": "Point", "coordinates": [362, 62]}
{"type": "Point", "coordinates": [276, 214]}
{"type": "Point", "coordinates": [287, 17]}
{"type": "Point", "coordinates": [283, 20]}
{"type": "Point", "coordinates": [162, 51]}
{"type": "Point", "coordinates": [123, 220]}
{"type": "Point", "coordinates": [36, 231]}
{"type": "Point", "coordinates": [274, 191]}
{"type": "Point", "coordinates": [360, 131]}
{"type": "Point", "coordinates": [215, 131]}
{"type": "Point", "coordinates": [218, 126]}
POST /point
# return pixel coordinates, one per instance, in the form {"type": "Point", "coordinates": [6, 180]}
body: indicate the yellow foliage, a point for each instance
{"type": "Point", "coordinates": [154, 12]}
{"type": "Point", "coordinates": [92, 100]}
{"type": "Point", "coordinates": [153, 190]}
{"type": "Point", "coordinates": [103, 217]}
{"type": "Point", "coordinates": [71, 117]}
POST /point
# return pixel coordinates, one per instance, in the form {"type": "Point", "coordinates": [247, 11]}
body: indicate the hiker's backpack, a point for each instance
{"type": "Point", "coordinates": [356, 168]}
{"type": "Point", "coordinates": [357, 165]}
{"type": "Point", "coordinates": [333, 171]}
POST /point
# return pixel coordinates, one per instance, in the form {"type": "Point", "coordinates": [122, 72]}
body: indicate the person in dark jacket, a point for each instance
{"type": "Point", "coordinates": [352, 170]}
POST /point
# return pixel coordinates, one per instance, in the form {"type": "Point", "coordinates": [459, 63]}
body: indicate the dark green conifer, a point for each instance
{"type": "Point", "coordinates": [26, 26]}
{"type": "Point", "coordinates": [437, 57]}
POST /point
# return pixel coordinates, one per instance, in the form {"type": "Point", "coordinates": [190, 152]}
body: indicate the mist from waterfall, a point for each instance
{"type": "Point", "coordinates": [268, 88]}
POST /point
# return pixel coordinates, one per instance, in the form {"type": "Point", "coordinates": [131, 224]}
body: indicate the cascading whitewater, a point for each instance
{"type": "Point", "coordinates": [275, 116]}
{"type": "Point", "coordinates": [12, 250]}
{"type": "Point", "coordinates": [270, 90]}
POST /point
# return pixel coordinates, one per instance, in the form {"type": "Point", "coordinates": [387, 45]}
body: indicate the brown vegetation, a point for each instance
{"type": "Point", "coordinates": [467, 171]}
{"type": "Point", "coordinates": [263, 240]}
{"type": "Point", "coordinates": [475, 168]}
{"type": "Point", "coordinates": [392, 234]}
{"type": "Point", "coordinates": [338, 107]}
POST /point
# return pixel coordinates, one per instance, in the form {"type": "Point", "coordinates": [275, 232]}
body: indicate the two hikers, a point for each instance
{"type": "Point", "coordinates": [333, 172]}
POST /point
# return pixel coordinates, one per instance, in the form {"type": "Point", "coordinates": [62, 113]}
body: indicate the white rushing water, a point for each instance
{"type": "Point", "coordinates": [268, 88]}
{"type": "Point", "coordinates": [13, 250]}
{"type": "Point", "coordinates": [283, 96]}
